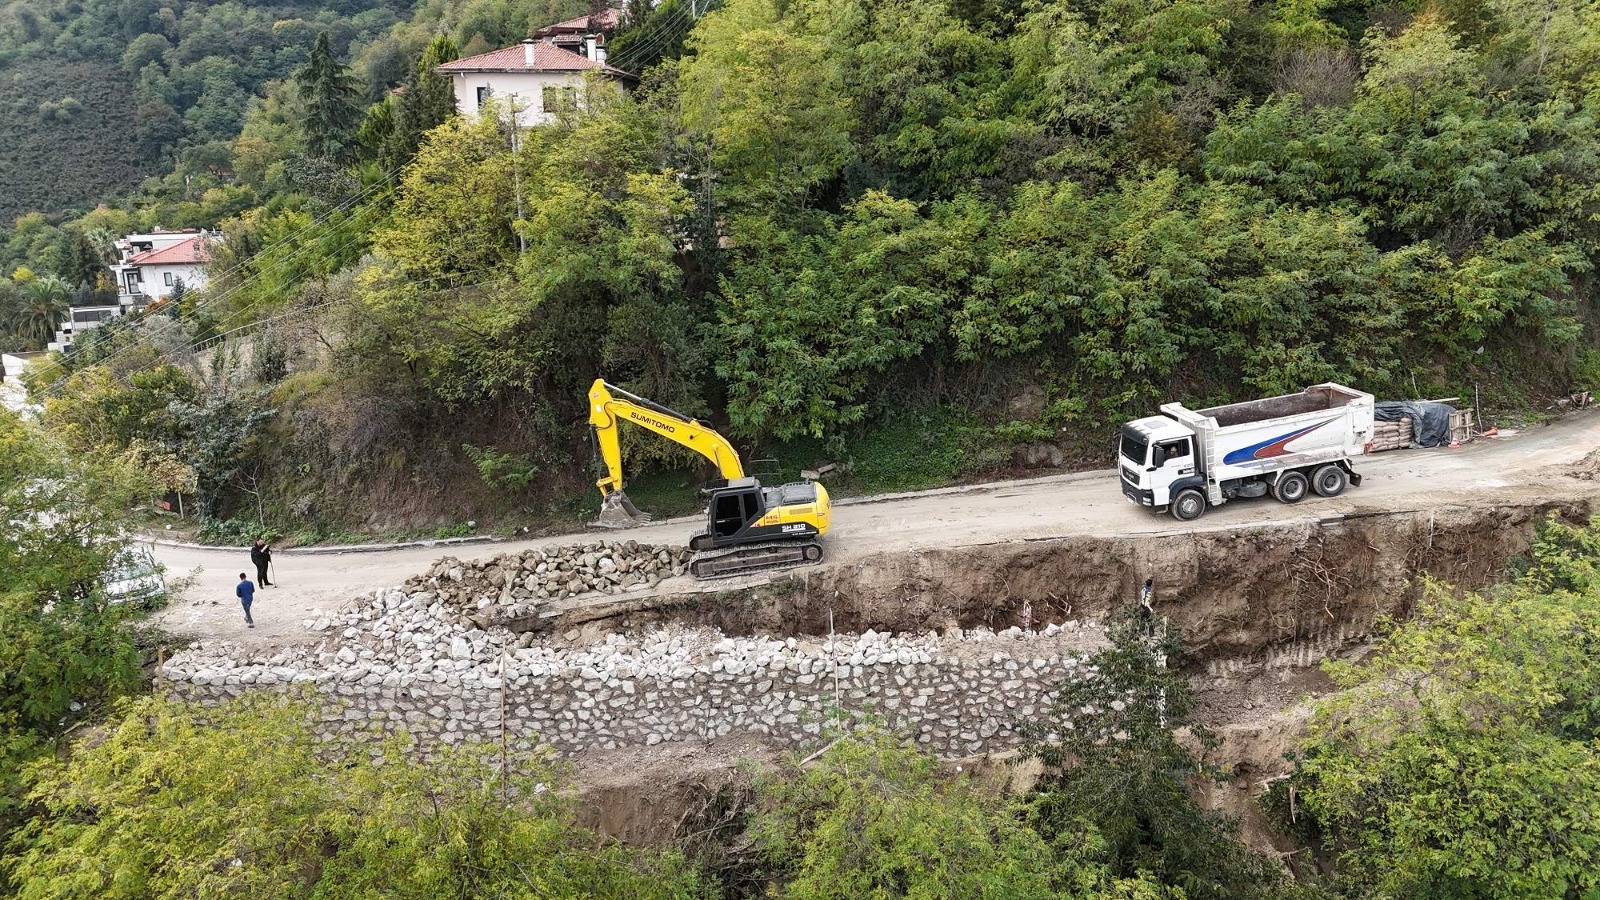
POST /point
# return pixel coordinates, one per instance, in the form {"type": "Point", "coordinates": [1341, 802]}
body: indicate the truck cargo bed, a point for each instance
{"type": "Point", "coordinates": [1313, 399]}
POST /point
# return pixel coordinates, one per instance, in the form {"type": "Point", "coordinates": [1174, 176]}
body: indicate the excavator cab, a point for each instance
{"type": "Point", "coordinates": [751, 527]}
{"type": "Point", "coordinates": [734, 507]}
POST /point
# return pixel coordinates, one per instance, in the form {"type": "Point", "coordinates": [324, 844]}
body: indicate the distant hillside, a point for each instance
{"type": "Point", "coordinates": [97, 94]}
{"type": "Point", "coordinates": [70, 138]}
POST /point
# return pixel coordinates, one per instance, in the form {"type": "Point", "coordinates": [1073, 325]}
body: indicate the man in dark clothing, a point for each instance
{"type": "Point", "coordinates": [246, 592]}
{"type": "Point", "coordinates": [261, 555]}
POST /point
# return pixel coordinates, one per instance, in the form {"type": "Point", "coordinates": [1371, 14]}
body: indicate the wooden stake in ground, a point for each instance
{"type": "Point", "coordinates": [505, 772]}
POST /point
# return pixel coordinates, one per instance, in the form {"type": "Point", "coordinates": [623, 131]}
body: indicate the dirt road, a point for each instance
{"type": "Point", "coordinates": [1513, 467]}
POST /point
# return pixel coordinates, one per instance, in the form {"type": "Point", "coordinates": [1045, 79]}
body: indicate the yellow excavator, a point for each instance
{"type": "Point", "coordinates": [750, 527]}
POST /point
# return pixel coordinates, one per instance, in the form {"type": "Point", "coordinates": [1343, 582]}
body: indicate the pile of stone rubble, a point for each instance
{"type": "Point", "coordinates": [507, 589]}
{"type": "Point", "coordinates": [394, 639]}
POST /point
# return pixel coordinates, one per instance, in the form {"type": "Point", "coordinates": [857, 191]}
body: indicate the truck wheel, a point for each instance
{"type": "Point", "coordinates": [1291, 487]}
{"type": "Point", "coordinates": [1329, 481]}
{"type": "Point", "coordinates": [1189, 505]}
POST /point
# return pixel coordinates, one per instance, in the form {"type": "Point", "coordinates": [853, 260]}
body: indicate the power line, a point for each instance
{"type": "Point", "coordinates": [637, 53]}
{"type": "Point", "coordinates": [272, 266]}
{"type": "Point", "coordinates": [324, 219]}
{"type": "Point", "coordinates": [204, 343]}
{"type": "Point", "coordinates": [674, 25]}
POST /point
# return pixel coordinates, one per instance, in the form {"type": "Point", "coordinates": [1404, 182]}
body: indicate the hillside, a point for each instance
{"type": "Point", "coordinates": [72, 137]}
{"type": "Point", "coordinates": [900, 243]}
{"type": "Point", "coordinates": [927, 242]}
{"type": "Point", "coordinates": [100, 95]}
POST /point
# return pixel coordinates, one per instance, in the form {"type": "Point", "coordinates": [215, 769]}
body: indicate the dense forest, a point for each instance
{"type": "Point", "coordinates": [921, 239]}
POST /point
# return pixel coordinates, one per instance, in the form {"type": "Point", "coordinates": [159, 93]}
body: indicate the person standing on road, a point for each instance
{"type": "Point", "coordinates": [261, 555]}
{"type": "Point", "coordinates": [246, 592]}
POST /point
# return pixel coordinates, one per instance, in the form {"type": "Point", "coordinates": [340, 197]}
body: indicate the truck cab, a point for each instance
{"type": "Point", "coordinates": [1157, 458]}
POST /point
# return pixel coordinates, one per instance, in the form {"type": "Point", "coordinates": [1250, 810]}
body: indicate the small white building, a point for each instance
{"type": "Point", "coordinates": [535, 79]}
{"type": "Point", "coordinates": [14, 364]}
{"type": "Point", "coordinates": [13, 395]}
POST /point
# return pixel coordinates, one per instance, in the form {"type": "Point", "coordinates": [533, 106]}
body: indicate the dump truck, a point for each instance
{"type": "Point", "coordinates": [1186, 460]}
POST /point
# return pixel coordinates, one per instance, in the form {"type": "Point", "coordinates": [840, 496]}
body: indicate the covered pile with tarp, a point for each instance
{"type": "Point", "coordinates": [1430, 419]}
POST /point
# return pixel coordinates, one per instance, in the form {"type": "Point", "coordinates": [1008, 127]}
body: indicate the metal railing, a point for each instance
{"type": "Point", "coordinates": [92, 298]}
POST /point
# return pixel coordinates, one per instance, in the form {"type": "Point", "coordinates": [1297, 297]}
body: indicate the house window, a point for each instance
{"type": "Point", "coordinates": [133, 282]}
{"type": "Point", "coordinates": [559, 98]}
{"type": "Point", "coordinates": [166, 278]}
{"type": "Point", "coordinates": [484, 93]}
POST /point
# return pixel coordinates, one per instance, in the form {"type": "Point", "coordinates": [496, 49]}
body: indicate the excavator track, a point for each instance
{"type": "Point", "coordinates": [752, 558]}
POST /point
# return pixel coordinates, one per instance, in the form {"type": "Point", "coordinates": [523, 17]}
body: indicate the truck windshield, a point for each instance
{"type": "Point", "coordinates": [1134, 446]}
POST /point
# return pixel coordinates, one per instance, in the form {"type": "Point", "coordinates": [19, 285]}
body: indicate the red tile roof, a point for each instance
{"type": "Point", "coordinates": [606, 20]}
{"type": "Point", "coordinates": [188, 252]}
{"type": "Point", "coordinates": [547, 57]}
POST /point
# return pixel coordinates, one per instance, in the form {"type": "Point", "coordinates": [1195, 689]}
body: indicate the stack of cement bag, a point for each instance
{"type": "Point", "coordinates": [1411, 423]}
{"type": "Point", "coordinates": [1391, 435]}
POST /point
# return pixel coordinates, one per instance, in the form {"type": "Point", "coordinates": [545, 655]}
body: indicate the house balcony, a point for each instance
{"type": "Point", "coordinates": [92, 317]}
{"type": "Point", "coordinates": [92, 299]}
{"type": "Point", "coordinates": [86, 310]}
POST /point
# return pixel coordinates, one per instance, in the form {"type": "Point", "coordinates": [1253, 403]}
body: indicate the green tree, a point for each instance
{"type": "Point", "coordinates": [875, 818]}
{"type": "Point", "coordinates": [813, 321]}
{"type": "Point", "coordinates": [332, 98]}
{"type": "Point", "coordinates": [222, 430]}
{"type": "Point", "coordinates": [1116, 770]}
{"type": "Point", "coordinates": [249, 802]}
{"type": "Point", "coordinates": [63, 649]}
{"type": "Point", "coordinates": [80, 264]}
{"type": "Point", "coordinates": [1460, 760]}
{"type": "Point", "coordinates": [44, 305]}
{"type": "Point", "coordinates": [428, 99]}
{"type": "Point", "coordinates": [770, 98]}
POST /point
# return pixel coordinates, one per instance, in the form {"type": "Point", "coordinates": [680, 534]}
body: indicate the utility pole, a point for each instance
{"type": "Point", "coordinates": [516, 166]}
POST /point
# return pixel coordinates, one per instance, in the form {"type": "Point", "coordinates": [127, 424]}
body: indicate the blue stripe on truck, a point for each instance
{"type": "Point", "coordinates": [1267, 449]}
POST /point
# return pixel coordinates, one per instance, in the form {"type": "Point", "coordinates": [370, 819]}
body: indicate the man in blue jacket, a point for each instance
{"type": "Point", "coordinates": [246, 592]}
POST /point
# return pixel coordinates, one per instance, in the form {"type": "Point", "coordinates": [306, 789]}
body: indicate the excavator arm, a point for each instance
{"type": "Point", "coordinates": [608, 407]}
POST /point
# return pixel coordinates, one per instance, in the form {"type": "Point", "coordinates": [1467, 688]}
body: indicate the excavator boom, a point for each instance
{"type": "Point", "coordinates": [608, 407]}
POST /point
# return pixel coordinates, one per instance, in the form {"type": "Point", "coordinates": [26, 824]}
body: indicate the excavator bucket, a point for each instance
{"type": "Point", "coordinates": [617, 511]}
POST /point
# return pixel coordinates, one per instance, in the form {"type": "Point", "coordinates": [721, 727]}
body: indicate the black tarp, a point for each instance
{"type": "Point", "coordinates": [1430, 421]}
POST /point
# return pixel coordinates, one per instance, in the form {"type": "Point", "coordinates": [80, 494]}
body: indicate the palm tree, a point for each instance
{"type": "Point", "coordinates": [45, 302]}
{"type": "Point", "coordinates": [104, 242]}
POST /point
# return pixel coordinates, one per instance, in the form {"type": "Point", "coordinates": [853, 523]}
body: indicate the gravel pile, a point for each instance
{"type": "Point", "coordinates": [508, 590]}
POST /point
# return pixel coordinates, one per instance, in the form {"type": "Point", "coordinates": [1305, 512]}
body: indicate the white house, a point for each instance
{"type": "Point", "coordinates": [151, 267]}
{"type": "Point", "coordinates": [153, 264]}
{"type": "Point", "coordinates": [535, 79]}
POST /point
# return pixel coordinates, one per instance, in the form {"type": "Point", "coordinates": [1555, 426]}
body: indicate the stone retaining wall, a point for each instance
{"type": "Point", "coordinates": [959, 693]}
